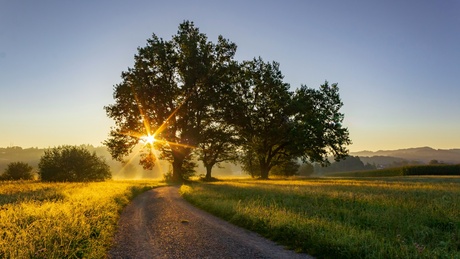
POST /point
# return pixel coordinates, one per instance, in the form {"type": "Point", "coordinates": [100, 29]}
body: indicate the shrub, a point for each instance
{"type": "Point", "coordinates": [18, 171]}
{"type": "Point", "coordinates": [72, 164]}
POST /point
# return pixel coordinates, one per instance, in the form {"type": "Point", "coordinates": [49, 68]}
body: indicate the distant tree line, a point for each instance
{"type": "Point", "coordinates": [350, 163]}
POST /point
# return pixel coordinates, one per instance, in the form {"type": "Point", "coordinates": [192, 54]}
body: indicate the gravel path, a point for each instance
{"type": "Point", "coordinates": [160, 224]}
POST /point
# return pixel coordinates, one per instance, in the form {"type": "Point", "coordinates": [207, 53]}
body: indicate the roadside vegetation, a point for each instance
{"type": "Point", "coordinates": [62, 220]}
{"type": "Point", "coordinates": [396, 217]}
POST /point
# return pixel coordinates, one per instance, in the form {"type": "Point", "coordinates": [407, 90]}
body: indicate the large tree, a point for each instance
{"type": "Point", "coordinates": [278, 125]}
{"type": "Point", "coordinates": [318, 132]}
{"type": "Point", "coordinates": [170, 95]}
{"type": "Point", "coordinates": [261, 115]}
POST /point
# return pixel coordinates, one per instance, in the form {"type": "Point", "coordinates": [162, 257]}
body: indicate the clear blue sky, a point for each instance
{"type": "Point", "coordinates": [397, 63]}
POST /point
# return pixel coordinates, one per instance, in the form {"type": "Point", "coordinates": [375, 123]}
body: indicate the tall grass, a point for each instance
{"type": "Point", "coordinates": [344, 218]}
{"type": "Point", "coordinates": [62, 220]}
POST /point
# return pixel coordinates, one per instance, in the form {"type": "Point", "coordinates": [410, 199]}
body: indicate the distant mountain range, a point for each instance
{"type": "Point", "coordinates": [421, 154]}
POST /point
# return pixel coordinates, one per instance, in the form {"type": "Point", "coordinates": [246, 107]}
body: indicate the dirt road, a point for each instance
{"type": "Point", "coordinates": [160, 224]}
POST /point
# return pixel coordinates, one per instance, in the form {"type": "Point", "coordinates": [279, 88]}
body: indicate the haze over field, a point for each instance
{"type": "Point", "coordinates": [395, 62]}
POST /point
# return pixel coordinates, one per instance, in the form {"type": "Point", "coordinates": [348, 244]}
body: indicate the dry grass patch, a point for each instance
{"type": "Point", "coordinates": [62, 220]}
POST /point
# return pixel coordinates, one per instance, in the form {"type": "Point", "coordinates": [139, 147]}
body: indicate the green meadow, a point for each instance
{"type": "Point", "coordinates": [392, 217]}
{"type": "Point", "coordinates": [62, 220]}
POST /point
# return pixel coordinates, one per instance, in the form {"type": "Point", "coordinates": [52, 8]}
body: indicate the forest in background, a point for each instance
{"type": "Point", "coordinates": [365, 160]}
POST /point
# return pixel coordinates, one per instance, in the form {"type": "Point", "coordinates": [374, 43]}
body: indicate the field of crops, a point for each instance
{"type": "Point", "coordinates": [62, 220]}
{"type": "Point", "coordinates": [394, 217]}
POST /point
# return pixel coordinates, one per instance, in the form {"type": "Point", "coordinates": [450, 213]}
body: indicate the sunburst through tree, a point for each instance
{"type": "Point", "coordinates": [169, 96]}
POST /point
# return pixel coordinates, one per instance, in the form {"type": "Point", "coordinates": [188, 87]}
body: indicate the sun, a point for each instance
{"type": "Point", "coordinates": [149, 139]}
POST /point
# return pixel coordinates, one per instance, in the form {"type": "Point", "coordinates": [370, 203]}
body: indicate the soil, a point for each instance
{"type": "Point", "coordinates": [160, 224]}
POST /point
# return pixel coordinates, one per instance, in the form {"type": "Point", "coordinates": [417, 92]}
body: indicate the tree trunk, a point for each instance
{"type": "Point", "coordinates": [264, 174]}
{"type": "Point", "coordinates": [208, 172]}
{"type": "Point", "coordinates": [264, 170]}
{"type": "Point", "coordinates": [177, 168]}
{"type": "Point", "coordinates": [177, 171]}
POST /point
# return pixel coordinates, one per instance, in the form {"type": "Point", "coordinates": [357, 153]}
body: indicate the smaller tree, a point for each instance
{"type": "Point", "coordinates": [219, 145]}
{"type": "Point", "coordinates": [72, 164]}
{"type": "Point", "coordinates": [18, 171]}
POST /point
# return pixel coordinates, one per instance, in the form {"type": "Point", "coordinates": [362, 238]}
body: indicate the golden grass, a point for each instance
{"type": "Point", "coordinates": [62, 220]}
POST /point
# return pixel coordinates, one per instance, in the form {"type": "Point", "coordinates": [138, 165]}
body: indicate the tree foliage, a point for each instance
{"type": "Point", "coordinates": [173, 92]}
{"type": "Point", "coordinates": [318, 131]}
{"type": "Point", "coordinates": [189, 93]}
{"type": "Point", "coordinates": [278, 125]}
{"type": "Point", "coordinates": [219, 144]}
{"type": "Point", "coordinates": [72, 164]}
{"type": "Point", "coordinates": [261, 109]}
{"type": "Point", "coordinates": [17, 171]}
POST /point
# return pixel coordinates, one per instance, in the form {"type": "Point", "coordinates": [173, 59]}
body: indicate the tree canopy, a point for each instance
{"type": "Point", "coordinates": [278, 125]}
{"type": "Point", "coordinates": [171, 93]}
{"type": "Point", "coordinates": [188, 93]}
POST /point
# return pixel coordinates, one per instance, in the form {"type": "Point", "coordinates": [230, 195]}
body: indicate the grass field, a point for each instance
{"type": "Point", "coordinates": [394, 217]}
{"type": "Point", "coordinates": [62, 220]}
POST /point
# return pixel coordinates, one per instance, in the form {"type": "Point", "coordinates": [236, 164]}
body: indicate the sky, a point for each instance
{"type": "Point", "coordinates": [397, 63]}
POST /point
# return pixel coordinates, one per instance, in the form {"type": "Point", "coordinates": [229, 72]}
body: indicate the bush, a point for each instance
{"type": "Point", "coordinates": [72, 164]}
{"type": "Point", "coordinates": [17, 171]}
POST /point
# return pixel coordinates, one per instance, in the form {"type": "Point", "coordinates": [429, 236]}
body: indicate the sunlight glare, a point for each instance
{"type": "Point", "coordinates": [149, 139]}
